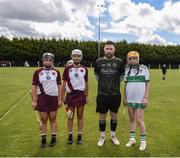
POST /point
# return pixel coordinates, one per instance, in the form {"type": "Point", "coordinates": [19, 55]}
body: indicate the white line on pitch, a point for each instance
{"type": "Point", "coordinates": [13, 107]}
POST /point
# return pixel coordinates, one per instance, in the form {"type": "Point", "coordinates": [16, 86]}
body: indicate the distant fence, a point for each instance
{"type": "Point", "coordinates": [159, 66]}
{"type": "Point", "coordinates": [4, 63]}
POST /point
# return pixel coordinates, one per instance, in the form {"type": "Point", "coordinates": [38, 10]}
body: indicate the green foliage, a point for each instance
{"type": "Point", "coordinates": [30, 49]}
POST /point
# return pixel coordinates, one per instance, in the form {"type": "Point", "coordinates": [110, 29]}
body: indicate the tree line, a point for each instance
{"type": "Point", "coordinates": [19, 50]}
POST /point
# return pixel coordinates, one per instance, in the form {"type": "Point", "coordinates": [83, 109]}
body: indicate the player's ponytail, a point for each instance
{"type": "Point", "coordinates": [137, 70]}
{"type": "Point", "coordinates": [129, 70]}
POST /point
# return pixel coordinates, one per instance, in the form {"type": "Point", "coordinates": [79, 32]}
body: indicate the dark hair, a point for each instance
{"type": "Point", "coordinates": [110, 43]}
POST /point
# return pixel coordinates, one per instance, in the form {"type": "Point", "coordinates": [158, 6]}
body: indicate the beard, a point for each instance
{"type": "Point", "coordinates": [109, 56]}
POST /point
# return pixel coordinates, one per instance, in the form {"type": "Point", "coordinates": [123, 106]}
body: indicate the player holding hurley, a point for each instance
{"type": "Point", "coordinates": [75, 84]}
{"type": "Point", "coordinates": [48, 101]}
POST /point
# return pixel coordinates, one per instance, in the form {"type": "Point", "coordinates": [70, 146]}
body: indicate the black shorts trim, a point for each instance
{"type": "Point", "coordinates": [105, 103]}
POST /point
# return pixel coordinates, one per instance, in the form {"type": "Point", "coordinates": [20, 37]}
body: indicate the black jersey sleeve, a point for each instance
{"type": "Point", "coordinates": [96, 69]}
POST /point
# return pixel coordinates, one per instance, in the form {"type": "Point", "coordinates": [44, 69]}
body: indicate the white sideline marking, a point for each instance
{"type": "Point", "coordinates": [13, 107]}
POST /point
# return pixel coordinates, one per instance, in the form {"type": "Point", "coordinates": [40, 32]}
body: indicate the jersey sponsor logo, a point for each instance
{"type": "Point", "coordinates": [48, 77]}
{"type": "Point", "coordinates": [108, 64]}
{"type": "Point", "coordinates": [53, 73]}
{"type": "Point", "coordinates": [82, 70]}
{"type": "Point", "coordinates": [108, 71]}
{"type": "Point", "coordinates": [103, 65]}
{"type": "Point", "coordinates": [135, 79]}
{"type": "Point", "coordinates": [114, 65]}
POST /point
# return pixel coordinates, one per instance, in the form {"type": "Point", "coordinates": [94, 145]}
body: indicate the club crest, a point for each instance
{"type": "Point", "coordinates": [76, 75]}
{"type": "Point", "coordinates": [48, 77]}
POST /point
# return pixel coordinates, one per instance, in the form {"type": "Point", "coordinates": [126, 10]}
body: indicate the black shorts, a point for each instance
{"type": "Point", "coordinates": [164, 72]}
{"type": "Point", "coordinates": [105, 103]}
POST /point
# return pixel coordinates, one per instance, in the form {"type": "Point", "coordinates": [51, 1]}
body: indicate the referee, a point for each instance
{"type": "Point", "coordinates": [109, 71]}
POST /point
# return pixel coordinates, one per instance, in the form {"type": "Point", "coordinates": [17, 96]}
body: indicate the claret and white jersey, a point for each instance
{"type": "Point", "coordinates": [75, 78]}
{"type": "Point", "coordinates": [47, 80]}
{"type": "Point", "coordinates": [136, 84]}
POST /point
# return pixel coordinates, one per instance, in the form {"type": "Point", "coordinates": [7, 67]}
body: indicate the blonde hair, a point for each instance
{"type": "Point", "coordinates": [133, 54]}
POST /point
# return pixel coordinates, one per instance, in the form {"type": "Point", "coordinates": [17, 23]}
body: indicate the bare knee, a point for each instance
{"type": "Point", "coordinates": [132, 119]}
{"type": "Point", "coordinates": [52, 119]}
{"type": "Point", "coordinates": [44, 121]}
{"type": "Point", "coordinates": [80, 112]}
{"type": "Point", "coordinates": [140, 119]}
{"type": "Point", "coordinates": [102, 116]}
{"type": "Point", "coordinates": [80, 116]}
{"type": "Point", "coordinates": [114, 117]}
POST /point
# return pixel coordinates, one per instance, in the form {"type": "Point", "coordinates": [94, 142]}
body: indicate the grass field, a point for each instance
{"type": "Point", "coordinates": [19, 134]}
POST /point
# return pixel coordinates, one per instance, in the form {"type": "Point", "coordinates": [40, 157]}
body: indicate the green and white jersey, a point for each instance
{"type": "Point", "coordinates": [136, 84]}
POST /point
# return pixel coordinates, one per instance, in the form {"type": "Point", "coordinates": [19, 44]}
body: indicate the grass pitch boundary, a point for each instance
{"type": "Point", "coordinates": [14, 106]}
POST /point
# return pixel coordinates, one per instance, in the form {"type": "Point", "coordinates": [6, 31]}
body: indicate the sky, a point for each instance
{"type": "Point", "coordinates": [143, 21]}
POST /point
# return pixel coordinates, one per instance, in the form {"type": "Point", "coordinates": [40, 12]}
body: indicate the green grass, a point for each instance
{"type": "Point", "coordinates": [19, 134]}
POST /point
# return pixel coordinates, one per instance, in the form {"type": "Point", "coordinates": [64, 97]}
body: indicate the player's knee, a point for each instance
{"type": "Point", "coordinates": [139, 119]}
{"type": "Point", "coordinates": [79, 116]}
{"type": "Point", "coordinates": [102, 117]}
{"type": "Point", "coordinates": [132, 119]}
{"type": "Point", "coordinates": [52, 120]}
{"type": "Point", "coordinates": [43, 121]}
{"type": "Point", "coordinates": [114, 117]}
{"type": "Point", "coordinates": [71, 119]}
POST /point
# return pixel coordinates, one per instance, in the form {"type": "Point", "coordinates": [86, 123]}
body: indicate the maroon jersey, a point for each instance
{"type": "Point", "coordinates": [75, 78]}
{"type": "Point", "coordinates": [47, 80]}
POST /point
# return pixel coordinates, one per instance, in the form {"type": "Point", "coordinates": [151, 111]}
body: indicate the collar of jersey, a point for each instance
{"type": "Point", "coordinates": [108, 58]}
{"type": "Point", "coordinates": [76, 66]}
{"type": "Point", "coordinates": [47, 68]}
{"type": "Point", "coordinates": [134, 66]}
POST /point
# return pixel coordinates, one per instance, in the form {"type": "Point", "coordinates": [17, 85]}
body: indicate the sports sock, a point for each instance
{"type": "Point", "coordinates": [113, 127]}
{"type": "Point", "coordinates": [102, 127]}
{"type": "Point", "coordinates": [132, 135]}
{"type": "Point", "coordinates": [53, 135]}
{"type": "Point", "coordinates": [143, 137]}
